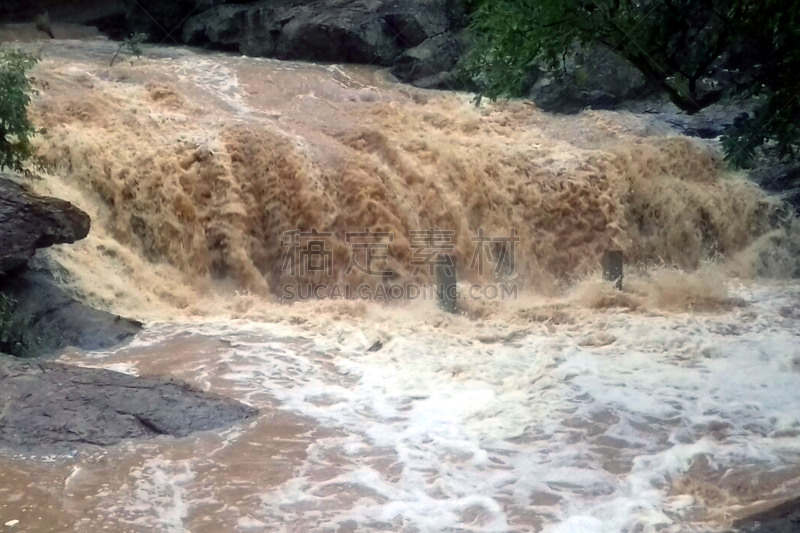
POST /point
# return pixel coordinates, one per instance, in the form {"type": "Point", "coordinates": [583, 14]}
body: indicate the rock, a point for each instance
{"type": "Point", "coordinates": [783, 518]}
{"type": "Point", "coordinates": [414, 21]}
{"type": "Point", "coordinates": [432, 64]}
{"type": "Point", "coordinates": [350, 32]}
{"type": "Point", "coordinates": [354, 31]}
{"type": "Point", "coordinates": [251, 30]}
{"type": "Point", "coordinates": [595, 77]}
{"type": "Point", "coordinates": [708, 123]}
{"type": "Point", "coordinates": [53, 406]}
{"type": "Point", "coordinates": [56, 320]}
{"type": "Point", "coordinates": [781, 178]}
{"type": "Point", "coordinates": [163, 21]}
{"type": "Point", "coordinates": [28, 222]}
{"type": "Point", "coordinates": [315, 31]}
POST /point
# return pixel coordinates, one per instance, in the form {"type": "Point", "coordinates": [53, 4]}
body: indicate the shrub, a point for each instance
{"type": "Point", "coordinates": [16, 129]}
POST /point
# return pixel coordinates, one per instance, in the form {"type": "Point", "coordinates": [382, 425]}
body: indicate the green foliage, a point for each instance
{"type": "Point", "coordinates": [132, 44]}
{"type": "Point", "coordinates": [16, 128]}
{"type": "Point", "coordinates": [697, 52]}
{"type": "Point", "coordinates": [15, 331]}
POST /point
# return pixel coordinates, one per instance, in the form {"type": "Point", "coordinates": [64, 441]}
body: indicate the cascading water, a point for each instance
{"type": "Point", "coordinates": [571, 408]}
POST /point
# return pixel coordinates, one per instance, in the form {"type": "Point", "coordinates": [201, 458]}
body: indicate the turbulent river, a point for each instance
{"type": "Point", "coordinates": [570, 407]}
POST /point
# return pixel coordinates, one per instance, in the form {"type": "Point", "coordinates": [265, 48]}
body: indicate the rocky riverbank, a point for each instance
{"type": "Point", "coordinates": [47, 406]}
{"type": "Point", "coordinates": [36, 316]}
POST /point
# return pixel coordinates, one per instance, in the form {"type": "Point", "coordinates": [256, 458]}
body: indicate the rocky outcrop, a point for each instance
{"type": "Point", "coordinates": [54, 320]}
{"type": "Point", "coordinates": [52, 406]}
{"type": "Point", "coordinates": [433, 64]}
{"type": "Point", "coordinates": [28, 222]}
{"type": "Point", "coordinates": [36, 317]}
{"type": "Point", "coordinates": [356, 31]}
{"type": "Point", "coordinates": [596, 77]}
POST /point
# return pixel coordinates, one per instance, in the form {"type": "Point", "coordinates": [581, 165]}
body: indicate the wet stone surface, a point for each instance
{"type": "Point", "coordinates": [55, 406]}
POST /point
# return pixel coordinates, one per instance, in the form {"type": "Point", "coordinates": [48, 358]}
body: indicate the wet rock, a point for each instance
{"type": "Point", "coordinates": [780, 178]}
{"type": "Point", "coordinates": [354, 31]}
{"type": "Point", "coordinates": [345, 33]}
{"type": "Point", "coordinates": [709, 123]}
{"type": "Point", "coordinates": [56, 320]}
{"type": "Point", "coordinates": [162, 21]}
{"type": "Point", "coordinates": [57, 406]}
{"type": "Point", "coordinates": [251, 30]}
{"type": "Point", "coordinates": [29, 221]}
{"type": "Point", "coordinates": [432, 64]}
{"type": "Point", "coordinates": [415, 21]}
{"type": "Point", "coordinates": [595, 77]}
{"type": "Point", "coordinates": [783, 518]}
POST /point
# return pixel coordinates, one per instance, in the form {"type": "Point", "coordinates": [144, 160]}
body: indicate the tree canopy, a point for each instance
{"type": "Point", "coordinates": [698, 52]}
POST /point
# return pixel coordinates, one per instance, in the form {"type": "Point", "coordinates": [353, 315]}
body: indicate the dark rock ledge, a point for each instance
{"type": "Point", "coordinates": [47, 406]}
{"type": "Point", "coordinates": [57, 320]}
{"type": "Point", "coordinates": [44, 318]}
{"type": "Point", "coordinates": [29, 221]}
{"type": "Point", "coordinates": [53, 407]}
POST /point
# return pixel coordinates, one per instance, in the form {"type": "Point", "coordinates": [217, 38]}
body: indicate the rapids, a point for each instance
{"type": "Point", "coordinates": [670, 406]}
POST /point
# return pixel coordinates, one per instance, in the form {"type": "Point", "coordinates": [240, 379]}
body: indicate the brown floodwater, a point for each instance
{"type": "Point", "coordinates": [669, 406]}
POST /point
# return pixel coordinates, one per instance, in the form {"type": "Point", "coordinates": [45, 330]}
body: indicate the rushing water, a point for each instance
{"type": "Point", "coordinates": [672, 406]}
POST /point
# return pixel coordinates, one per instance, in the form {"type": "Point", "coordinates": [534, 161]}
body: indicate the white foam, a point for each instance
{"type": "Point", "coordinates": [475, 428]}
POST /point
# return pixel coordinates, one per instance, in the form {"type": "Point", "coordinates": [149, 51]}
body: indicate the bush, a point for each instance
{"type": "Point", "coordinates": [16, 128]}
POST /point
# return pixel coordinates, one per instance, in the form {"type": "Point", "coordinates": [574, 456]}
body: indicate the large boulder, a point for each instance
{"type": "Point", "coordinates": [414, 21]}
{"type": "Point", "coordinates": [433, 64]}
{"type": "Point", "coordinates": [163, 21]}
{"type": "Point", "coordinates": [348, 32]}
{"type": "Point", "coordinates": [53, 320]}
{"type": "Point", "coordinates": [355, 31]}
{"type": "Point", "coordinates": [250, 30]}
{"type": "Point", "coordinates": [29, 221]}
{"type": "Point", "coordinates": [51, 406]}
{"type": "Point", "coordinates": [594, 77]}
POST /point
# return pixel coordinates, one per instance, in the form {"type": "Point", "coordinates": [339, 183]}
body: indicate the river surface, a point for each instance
{"type": "Point", "coordinates": [673, 405]}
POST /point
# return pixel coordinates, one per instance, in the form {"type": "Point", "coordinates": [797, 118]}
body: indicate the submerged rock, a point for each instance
{"type": "Point", "coordinates": [783, 518]}
{"type": "Point", "coordinates": [29, 221]}
{"type": "Point", "coordinates": [57, 406]}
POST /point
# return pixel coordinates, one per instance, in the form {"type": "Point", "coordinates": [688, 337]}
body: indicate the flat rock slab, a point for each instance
{"type": "Point", "coordinates": [57, 406]}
